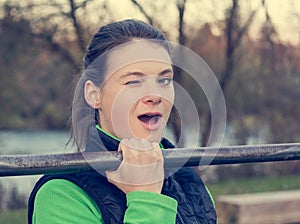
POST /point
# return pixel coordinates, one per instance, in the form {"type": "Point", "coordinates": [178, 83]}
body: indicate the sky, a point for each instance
{"type": "Point", "coordinates": [285, 14]}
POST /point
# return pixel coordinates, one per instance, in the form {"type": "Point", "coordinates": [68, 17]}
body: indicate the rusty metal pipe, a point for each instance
{"type": "Point", "coordinates": [16, 165]}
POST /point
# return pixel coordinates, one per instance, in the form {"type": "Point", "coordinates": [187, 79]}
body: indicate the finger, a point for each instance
{"type": "Point", "coordinates": [126, 143]}
{"type": "Point", "coordinates": [147, 144]}
{"type": "Point", "coordinates": [155, 145]}
{"type": "Point", "coordinates": [125, 148]}
{"type": "Point", "coordinates": [137, 174]}
{"type": "Point", "coordinates": [137, 144]}
{"type": "Point", "coordinates": [147, 153]}
{"type": "Point", "coordinates": [143, 144]}
{"type": "Point", "coordinates": [132, 144]}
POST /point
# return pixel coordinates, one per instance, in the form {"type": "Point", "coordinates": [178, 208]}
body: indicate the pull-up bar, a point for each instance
{"type": "Point", "coordinates": [16, 165]}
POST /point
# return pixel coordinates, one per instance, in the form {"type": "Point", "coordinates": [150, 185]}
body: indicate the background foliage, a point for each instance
{"type": "Point", "coordinates": [42, 52]}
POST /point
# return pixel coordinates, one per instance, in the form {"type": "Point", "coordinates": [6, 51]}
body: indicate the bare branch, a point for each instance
{"type": "Point", "coordinates": [56, 47]}
{"type": "Point", "coordinates": [83, 4]}
{"type": "Point", "coordinates": [248, 23]}
{"type": "Point", "coordinates": [76, 24]}
{"type": "Point", "coordinates": [234, 34]}
{"type": "Point", "coordinates": [181, 10]}
{"type": "Point", "coordinates": [140, 7]}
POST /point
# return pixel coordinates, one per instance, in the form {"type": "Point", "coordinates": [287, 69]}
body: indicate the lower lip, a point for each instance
{"type": "Point", "coordinates": [152, 127]}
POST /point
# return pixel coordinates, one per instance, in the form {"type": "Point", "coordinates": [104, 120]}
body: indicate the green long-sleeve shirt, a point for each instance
{"type": "Point", "coordinates": [61, 201]}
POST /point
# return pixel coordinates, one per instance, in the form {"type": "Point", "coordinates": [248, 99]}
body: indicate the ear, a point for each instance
{"type": "Point", "coordinates": [92, 95]}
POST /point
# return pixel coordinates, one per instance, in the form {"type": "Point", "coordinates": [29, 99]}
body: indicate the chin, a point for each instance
{"type": "Point", "coordinates": [153, 136]}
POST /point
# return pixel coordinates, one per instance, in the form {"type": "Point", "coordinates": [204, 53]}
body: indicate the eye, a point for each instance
{"type": "Point", "coordinates": [164, 81]}
{"type": "Point", "coordinates": [133, 82]}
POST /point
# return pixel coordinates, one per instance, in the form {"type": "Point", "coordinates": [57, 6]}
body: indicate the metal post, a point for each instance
{"type": "Point", "coordinates": [16, 165]}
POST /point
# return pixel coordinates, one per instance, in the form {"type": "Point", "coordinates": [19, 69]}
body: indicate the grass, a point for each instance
{"type": "Point", "coordinates": [232, 186]}
{"type": "Point", "coordinates": [14, 217]}
{"type": "Point", "coordinates": [255, 185]}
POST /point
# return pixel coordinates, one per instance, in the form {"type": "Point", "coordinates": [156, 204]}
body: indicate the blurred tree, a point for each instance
{"type": "Point", "coordinates": [227, 44]}
{"type": "Point", "coordinates": [267, 101]}
{"type": "Point", "coordinates": [2, 192]}
{"type": "Point", "coordinates": [281, 85]}
{"type": "Point", "coordinates": [30, 77]}
{"type": "Point", "coordinates": [11, 92]}
{"type": "Point", "coordinates": [65, 26]}
{"type": "Point", "coordinates": [16, 200]}
{"type": "Point", "coordinates": [39, 90]}
{"type": "Point", "coordinates": [59, 27]}
{"type": "Point", "coordinates": [241, 64]}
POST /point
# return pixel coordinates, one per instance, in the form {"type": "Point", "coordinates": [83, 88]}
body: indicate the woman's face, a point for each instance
{"type": "Point", "coordinates": [137, 97]}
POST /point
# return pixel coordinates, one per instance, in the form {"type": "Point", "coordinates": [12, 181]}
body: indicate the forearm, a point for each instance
{"type": "Point", "coordinates": [147, 207]}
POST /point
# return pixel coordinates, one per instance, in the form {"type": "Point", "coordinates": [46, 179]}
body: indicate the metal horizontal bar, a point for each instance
{"type": "Point", "coordinates": [16, 165]}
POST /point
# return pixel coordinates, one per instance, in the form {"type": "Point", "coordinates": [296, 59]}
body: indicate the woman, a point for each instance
{"type": "Point", "coordinates": [123, 102]}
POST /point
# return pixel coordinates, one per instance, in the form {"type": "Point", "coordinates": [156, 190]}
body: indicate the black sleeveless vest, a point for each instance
{"type": "Point", "coordinates": [184, 185]}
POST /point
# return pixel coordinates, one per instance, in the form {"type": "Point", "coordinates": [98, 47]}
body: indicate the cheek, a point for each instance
{"type": "Point", "coordinates": [168, 107]}
{"type": "Point", "coordinates": [121, 112]}
{"type": "Point", "coordinates": [169, 96]}
{"type": "Point", "coordinates": [122, 104]}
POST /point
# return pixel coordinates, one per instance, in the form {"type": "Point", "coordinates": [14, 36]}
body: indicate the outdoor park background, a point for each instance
{"type": "Point", "coordinates": [253, 47]}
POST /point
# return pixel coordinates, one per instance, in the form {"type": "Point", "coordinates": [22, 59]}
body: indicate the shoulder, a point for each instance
{"type": "Point", "coordinates": [59, 190]}
{"type": "Point", "coordinates": [58, 186]}
{"type": "Point", "coordinates": [62, 198]}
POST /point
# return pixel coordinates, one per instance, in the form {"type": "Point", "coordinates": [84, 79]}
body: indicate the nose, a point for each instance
{"type": "Point", "coordinates": [151, 100]}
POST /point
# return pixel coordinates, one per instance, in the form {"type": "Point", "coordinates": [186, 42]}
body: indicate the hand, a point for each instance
{"type": "Point", "coordinates": [141, 169]}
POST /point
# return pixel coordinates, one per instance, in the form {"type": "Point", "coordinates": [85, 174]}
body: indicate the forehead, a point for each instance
{"type": "Point", "coordinates": [136, 51]}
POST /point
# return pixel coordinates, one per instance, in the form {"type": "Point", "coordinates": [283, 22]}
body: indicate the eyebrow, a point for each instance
{"type": "Point", "coordinates": [140, 74]}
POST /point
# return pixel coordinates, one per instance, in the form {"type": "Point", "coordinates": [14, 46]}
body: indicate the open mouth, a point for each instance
{"type": "Point", "coordinates": [150, 120]}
